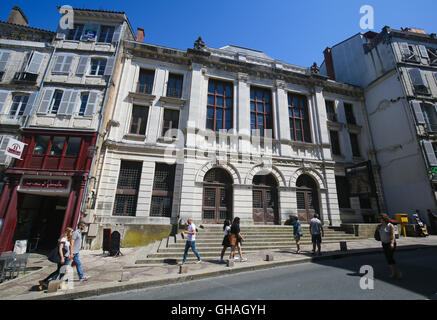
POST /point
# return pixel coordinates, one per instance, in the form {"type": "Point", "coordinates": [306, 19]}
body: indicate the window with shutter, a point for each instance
{"type": "Point", "coordinates": [109, 66]}
{"type": "Point", "coordinates": [73, 102]}
{"type": "Point", "coordinates": [97, 67]}
{"type": "Point", "coordinates": [117, 34]}
{"type": "Point", "coordinates": [4, 58]}
{"type": "Point", "coordinates": [430, 153]}
{"type": "Point", "coordinates": [35, 62]}
{"type": "Point", "coordinates": [106, 34]}
{"type": "Point", "coordinates": [418, 81]}
{"type": "Point", "coordinates": [81, 67]}
{"type": "Point", "coordinates": [30, 103]}
{"type": "Point", "coordinates": [418, 112]}
{"type": "Point", "coordinates": [62, 64]}
{"type": "Point", "coordinates": [65, 102]}
{"type": "Point", "coordinates": [408, 53]}
{"type": "Point", "coordinates": [92, 104]}
{"type": "Point", "coordinates": [423, 52]}
{"type": "Point", "coordinates": [4, 140]}
{"type": "Point", "coordinates": [3, 100]}
{"type": "Point", "coordinates": [45, 102]}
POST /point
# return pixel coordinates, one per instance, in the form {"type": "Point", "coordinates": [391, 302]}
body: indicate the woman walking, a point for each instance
{"type": "Point", "coordinates": [226, 243]}
{"type": "Point", "coordinates": [236, 239]}
{"type": "Point", "coordinates": [64, 253]}
{"type": "Point", "coordinates": [388, 240]}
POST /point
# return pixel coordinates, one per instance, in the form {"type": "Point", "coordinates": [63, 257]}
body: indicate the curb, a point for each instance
{"type": "Point", "coordinates": [120, 287]}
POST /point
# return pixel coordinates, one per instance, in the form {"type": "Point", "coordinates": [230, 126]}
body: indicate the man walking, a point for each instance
{"type": "Point", "coordinates": [74, 255]}
{"type": "Point", "coordinates": [191, 241]}
{"type": "Point", "coordinates": [317, 232]}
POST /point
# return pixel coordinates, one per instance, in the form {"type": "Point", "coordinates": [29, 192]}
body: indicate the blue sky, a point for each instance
{"type": "Point", "coordinates": [293, 31]}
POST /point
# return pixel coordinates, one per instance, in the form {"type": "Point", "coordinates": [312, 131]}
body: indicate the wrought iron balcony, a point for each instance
{"type": "Point", "coordinates": [174, 92]}
{"type": "Point", "coordinates": [144, 87]}
{"type": "Point", "coordinates": [25, 77]}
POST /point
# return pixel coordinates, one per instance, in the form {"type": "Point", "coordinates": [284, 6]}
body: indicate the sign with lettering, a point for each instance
{"type": "Point", "coordinates": [15, 148]}
{"type": "Point", "coordinates": [32, 183]}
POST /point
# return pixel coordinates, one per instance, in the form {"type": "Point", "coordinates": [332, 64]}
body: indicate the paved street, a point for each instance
{"type": "Point", "coordinates": [330, 279]}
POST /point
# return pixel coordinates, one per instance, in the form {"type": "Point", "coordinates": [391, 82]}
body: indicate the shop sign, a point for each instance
{"type": "Point", "coordinates": [15, 148]}
{"type": "Point", "coordinates": [44, 184]}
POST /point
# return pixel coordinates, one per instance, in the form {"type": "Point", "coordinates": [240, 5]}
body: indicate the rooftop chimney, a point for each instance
{"type": "Point", "coordinates": [140, 34]}
{"type": "Point", "coordinates": [329, 63]}
{"type": "Point", "coordinates": [17, 17]}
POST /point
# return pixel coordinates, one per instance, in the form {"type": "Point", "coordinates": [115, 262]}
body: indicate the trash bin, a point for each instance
{"type": "Point", "coordinates": [402, 219]}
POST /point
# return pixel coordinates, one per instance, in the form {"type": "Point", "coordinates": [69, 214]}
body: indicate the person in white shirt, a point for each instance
{"type": "Point", "coordinates": [191, 241]}
{"type": "Point", "coordinates": [317, 232]}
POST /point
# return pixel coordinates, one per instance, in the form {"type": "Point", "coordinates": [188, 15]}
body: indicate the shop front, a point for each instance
{"type": "Point", "coordinates": [43, 191]}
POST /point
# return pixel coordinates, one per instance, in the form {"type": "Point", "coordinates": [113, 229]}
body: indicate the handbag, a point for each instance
{"type": "Point", "coordinates": [233, 239]}
{"type": "Point", "coordinates": [377, 236]}
{"type": "Point", "coordinates": [54, 254]}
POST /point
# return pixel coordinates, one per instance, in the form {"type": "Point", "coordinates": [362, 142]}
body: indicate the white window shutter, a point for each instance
{"type": "Point", "coordinates": [430, 153]}
{"type": "Point", "coordinates": [117, 34]}
{"type": "Point", "coordinates": [65, 102]}
{"type": "Point", "coordinates": [418, 112]}
{"type": "Point", "coordinates": [4, 58]}
{"type": "Point", "coordinates": [4, 140]}
{"type": "Point", "coordinates": [45, 101]}
{"type": "Point", "coordinates": [72, 103]}
{"type": "Point", "coordinates": [405, 50]}
{"type": "Point", "coordinates": [83, 63]}
{"type": "Point", "coordinates": [109, 66]}
{"type": "Point", "coordinates": [30, 103]}
{"type": "Point", "coordinates": [416, 77]}
{"type": "Point", "coordinates": [3, 99]}
{"type": "Point", "coordinates": [34, 66]}
{"type": "Point", "coordinates": [59, 61]}
{"type": "Point", "coordinates": [92, 104]}
{"type": "Point", "coordinates": [423, 52]}
{"type": "Point", "coordinates": [67, 64]}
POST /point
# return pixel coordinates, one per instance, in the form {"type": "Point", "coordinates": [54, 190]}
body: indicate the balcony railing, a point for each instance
{"type": "Point", "coordinates": [144, 88]}
{"type": "Point", "coordinates": [421, 90]}
{"type": "Point", "coordinates": [174, 92]}
{"type": "Point", "coordinates": [25, 77]}
{"type": "Point", "coordinates": [431, 127]}
{"type": "Point", "coordinates": [332, 116]}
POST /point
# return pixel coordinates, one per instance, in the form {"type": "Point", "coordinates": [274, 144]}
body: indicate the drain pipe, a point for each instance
{"type": "Point", "coordinates": [85, 194]}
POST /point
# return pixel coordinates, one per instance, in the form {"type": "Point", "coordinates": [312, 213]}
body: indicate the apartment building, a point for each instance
{"type": "Point", "coordinates": [398, 71]}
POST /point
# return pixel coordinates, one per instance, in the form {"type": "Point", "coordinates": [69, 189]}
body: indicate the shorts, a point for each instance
{"type": "Point", "coordinates": [316, 238]}
{"type": "Point", "coordinates": [297, 237]}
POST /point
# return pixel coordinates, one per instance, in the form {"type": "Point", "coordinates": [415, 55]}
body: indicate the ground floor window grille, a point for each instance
{"type": "Point", "coordinates": [162, 194]}
{"type": "Point", "coordinates": [127, 188]}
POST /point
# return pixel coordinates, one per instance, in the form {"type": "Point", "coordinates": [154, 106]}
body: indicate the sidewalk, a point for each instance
{"type": "Point", "coordinates": [105, 272]}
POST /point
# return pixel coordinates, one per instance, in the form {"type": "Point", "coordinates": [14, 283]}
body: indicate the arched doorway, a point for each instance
{"type": "Point", "coordinates": [265, 200]}
{"type": "Point", "coordinates": [307, 198]}
{"type": "Point", "coordinates": [217, 196]}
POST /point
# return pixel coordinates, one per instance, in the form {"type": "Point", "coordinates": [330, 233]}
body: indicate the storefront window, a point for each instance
{"type": "Point", "coordinates": [73, 146]}
{"type": "Point", "coordinates": [41, 144]}
{"type": "Point", "coordinates": [57, 146]}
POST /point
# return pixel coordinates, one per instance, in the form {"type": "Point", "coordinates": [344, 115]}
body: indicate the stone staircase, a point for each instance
{"type": "Point", "coordinates": [258, 238]}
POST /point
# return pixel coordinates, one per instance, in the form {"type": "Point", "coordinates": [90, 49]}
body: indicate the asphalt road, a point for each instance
{"type": "Point", "coordinates": [328, 280]}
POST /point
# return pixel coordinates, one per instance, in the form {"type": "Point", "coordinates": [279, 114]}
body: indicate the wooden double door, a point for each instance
{"type": "Point", "coordinates": [217, 203]}
{"type": "Point", "coordinates": [217, 196]}
{"type": "Point", "coordinates": [307, 198]}
{"type": "Point", "coordinates": [265, 200]}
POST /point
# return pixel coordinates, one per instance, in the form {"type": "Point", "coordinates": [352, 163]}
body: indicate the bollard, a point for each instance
{"type": "Point", "coordinates": [125, 276]}
{"type": "Point", "coordinates": [343, 246]}
{"type": "Point", "coordinates": [230, 263]}
{"type": "Point", "coordinates": [269, 257]}
{"type": "Point", "coordinates": [183, 269]}
{"type": "Point", "coordinates": [53, 286]}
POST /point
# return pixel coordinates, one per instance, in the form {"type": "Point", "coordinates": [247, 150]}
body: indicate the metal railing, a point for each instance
{"type": "Point", "coordinates": [144, 87]}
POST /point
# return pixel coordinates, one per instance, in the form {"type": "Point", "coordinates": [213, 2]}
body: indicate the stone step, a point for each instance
{"type": "Point", "coordinates": [213, 251]}
{"type": "Point", "coordinates": [200, 242]}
